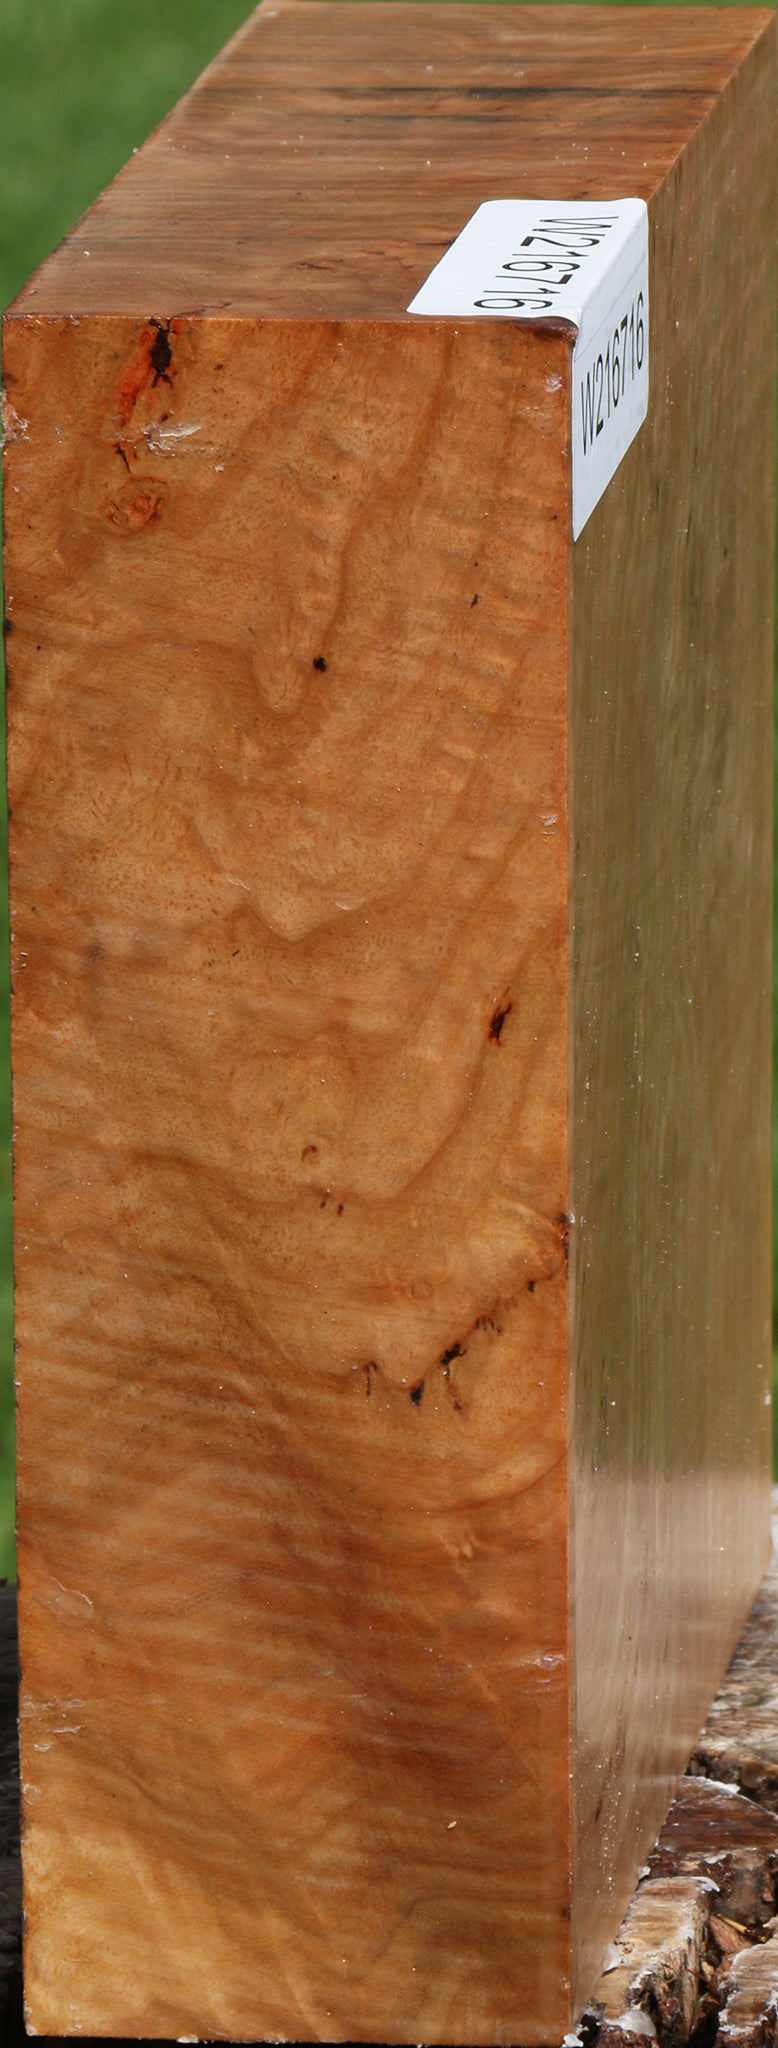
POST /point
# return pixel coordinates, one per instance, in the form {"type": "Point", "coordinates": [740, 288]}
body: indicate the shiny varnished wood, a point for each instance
{"type": "Point", "coordinates": [343, 1618]}
{"type": "Point", "coordinates": [672, 681]}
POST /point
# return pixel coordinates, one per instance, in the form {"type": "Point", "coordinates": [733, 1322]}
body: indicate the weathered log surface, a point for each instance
{"type": "Point", "coordinates": [749, 2014]}
{"type": "Point", "coordinates": [660, 1948]}
{"type": "Point", "coordinates": [712, 1829]}
{"type": "Point", "coordinates": [739, 1742]}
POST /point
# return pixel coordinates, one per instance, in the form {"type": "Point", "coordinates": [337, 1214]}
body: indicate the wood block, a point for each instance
{"type": "Point", "coordinates": [391, 899]}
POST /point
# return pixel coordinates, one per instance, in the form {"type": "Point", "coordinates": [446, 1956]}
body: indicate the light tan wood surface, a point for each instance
{"type": "Point", "coordinates": [671, 696]}
{"type": "Point", "coordinates": [361, 1638]}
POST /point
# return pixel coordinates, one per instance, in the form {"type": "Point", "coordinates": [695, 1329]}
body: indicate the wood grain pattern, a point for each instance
{"type": "Point", "coordinates": [306, 685]}
{"type": "Point", "coordinates": [303, 1140]}
{"type": "Point", "coordinates": [325, 162]}
{"type": "Point", "coordinates": [672, 1053]}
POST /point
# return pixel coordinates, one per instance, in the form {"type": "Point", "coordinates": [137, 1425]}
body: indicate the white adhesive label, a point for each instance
{"type": "Point", "coordinates": [576, 260]}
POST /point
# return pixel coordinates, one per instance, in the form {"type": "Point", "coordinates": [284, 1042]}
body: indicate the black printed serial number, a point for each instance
{"type": "Point", "coordinates": [606, 381]}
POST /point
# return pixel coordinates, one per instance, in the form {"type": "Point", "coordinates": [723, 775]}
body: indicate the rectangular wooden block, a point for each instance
{"type": "Point", "coordinates": [391, 898]}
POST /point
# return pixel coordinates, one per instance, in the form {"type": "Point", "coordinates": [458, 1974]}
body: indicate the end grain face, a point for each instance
{"type": "Point", "coordinates": [290, 952]}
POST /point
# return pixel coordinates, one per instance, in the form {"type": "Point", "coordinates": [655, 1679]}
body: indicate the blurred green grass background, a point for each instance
{"type": "Point", "coordinates": [82, 82]}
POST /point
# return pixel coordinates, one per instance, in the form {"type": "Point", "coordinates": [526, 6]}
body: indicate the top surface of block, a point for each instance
{"type": "Point", "coordinates": [323, 163]}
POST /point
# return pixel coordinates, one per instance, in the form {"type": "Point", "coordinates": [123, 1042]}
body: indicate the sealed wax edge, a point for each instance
{"type": "Point", "coordinates": [577, 260]}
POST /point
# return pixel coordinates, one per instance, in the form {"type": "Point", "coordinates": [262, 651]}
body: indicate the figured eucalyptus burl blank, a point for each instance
{"type": "Point", "coordinates": [391, 1034]}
